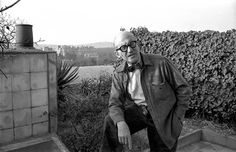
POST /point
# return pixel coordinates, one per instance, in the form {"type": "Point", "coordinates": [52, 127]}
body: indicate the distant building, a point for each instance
{"type": "Point", "coordinates": [91, 55]}
{"type": "Point", "coordinates": [47, 49]}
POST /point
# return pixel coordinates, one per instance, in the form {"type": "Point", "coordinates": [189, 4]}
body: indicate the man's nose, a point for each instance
{"type": "Point", "coordinates": [129, 49]}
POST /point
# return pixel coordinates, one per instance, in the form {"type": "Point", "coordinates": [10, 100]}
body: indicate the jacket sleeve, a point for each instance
{"type": "Point", "coordinates": [116, 100]}
{"type": "Point", "coordinates": [180, 86]}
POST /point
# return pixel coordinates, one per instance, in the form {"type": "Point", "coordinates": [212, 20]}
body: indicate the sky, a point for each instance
{"type": "Point", "coordinates": [74, 22]}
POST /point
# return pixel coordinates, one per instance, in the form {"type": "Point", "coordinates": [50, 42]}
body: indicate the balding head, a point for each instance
{"type": "Point", "coordinates": [126, 47]}
{"type": "Point", "coordinates": [123, 37]}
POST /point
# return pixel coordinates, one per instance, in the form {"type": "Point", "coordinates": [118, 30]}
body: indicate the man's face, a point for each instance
{"type": "Point", "coordinates": [127, 48]}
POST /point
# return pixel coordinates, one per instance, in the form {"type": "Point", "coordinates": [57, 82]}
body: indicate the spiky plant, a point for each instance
{"type": "Point", "coordinates": [66, 73]}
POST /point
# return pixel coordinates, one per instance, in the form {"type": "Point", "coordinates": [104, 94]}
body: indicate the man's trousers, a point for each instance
{"type": "Point", "coordinates": [136, 120]}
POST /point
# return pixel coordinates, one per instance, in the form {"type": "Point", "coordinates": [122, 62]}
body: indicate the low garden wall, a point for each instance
{"type": "Point", "coordinates": [28, 94]}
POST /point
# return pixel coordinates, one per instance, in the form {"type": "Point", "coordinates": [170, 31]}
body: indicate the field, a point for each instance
{"type": "Point", "coordinates": [93, 72]}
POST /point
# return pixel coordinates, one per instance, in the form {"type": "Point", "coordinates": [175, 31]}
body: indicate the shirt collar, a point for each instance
{"type": "Point", "coordinates": [144, 61]}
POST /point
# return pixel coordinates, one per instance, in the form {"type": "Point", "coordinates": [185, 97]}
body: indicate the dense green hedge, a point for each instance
{"type": "Point", "coordinates": [207, 60]}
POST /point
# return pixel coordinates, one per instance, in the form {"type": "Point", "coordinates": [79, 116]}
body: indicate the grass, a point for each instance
{"type": "Point", "coordinates": [87, 72]}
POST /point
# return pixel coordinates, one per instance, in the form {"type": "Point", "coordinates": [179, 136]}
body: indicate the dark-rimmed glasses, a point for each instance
{"type": "Point", "coordinates": [124, 48]}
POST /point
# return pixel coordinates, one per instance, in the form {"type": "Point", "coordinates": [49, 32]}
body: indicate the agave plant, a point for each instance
{"type": "Point", "coordinates": [66, 73]}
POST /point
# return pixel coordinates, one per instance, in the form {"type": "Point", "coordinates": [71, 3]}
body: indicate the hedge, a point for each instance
{"type": "Point", "coordinates": [207, 60]}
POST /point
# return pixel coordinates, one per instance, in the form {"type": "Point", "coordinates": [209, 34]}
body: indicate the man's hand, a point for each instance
{"type": "Point", "coordinates": [124, 134]}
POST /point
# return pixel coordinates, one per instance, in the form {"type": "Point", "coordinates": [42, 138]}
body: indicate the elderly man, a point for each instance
{"type": "Point", "coordinates": [159, 95]}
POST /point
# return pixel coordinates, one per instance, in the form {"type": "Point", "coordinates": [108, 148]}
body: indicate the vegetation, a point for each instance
{"type": "Point", "coordinates": [207, 60]}
{"type": "Point", "coordinates": [81, 113]}
{"type": "Point", "coordinates": [2, 9]}
{"type": "Point", "coordinates": [7, 34]}
{"type": "Point", "coordinates": [87, 56]}
{"type": "Point", "coordinates": [7, 31]}
{"type": "Point", "coordinates": [66, 73]}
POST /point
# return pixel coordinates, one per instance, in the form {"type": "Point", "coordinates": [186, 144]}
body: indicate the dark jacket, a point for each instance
{"type": "Point", "coordinates": [165, 90]}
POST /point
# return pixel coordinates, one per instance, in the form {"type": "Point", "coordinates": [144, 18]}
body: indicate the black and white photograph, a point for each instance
{"type": "Point", "coordinates": [118, 76]}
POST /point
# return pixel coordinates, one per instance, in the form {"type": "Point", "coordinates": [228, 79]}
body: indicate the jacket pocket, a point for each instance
{"type": "Point", "coordinates": [162, 92]}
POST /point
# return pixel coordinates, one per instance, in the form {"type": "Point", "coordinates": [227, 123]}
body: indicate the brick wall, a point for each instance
{"type": "Point", "coordinates": [28, 95]}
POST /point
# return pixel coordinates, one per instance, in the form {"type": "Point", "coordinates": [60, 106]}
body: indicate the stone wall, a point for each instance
{"type": "Point", "coordinates": [28, 96]}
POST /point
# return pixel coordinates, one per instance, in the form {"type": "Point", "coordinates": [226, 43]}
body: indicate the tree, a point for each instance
{"type": "Point", "coordinates": [7, 31]}
{"type": "Point", "coordinates": [2, 9]}
{"type": "Point", "coordinates": [7, 28]}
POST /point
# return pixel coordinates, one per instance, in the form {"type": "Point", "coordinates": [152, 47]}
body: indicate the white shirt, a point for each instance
{"type": "Point", "coordinates": [135, 88]}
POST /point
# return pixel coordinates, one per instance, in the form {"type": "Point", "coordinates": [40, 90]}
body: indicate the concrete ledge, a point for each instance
{"type": "Point", "coordinates": [189, 138]}
{"type": "Point", "coordinates": [210, 136]}
{"type": "Point", "coordinates": [25, 51]}
{"type": "Point", "coordinates": [207, 136]}
{"type": "Point", "coordinates": [23, 145]}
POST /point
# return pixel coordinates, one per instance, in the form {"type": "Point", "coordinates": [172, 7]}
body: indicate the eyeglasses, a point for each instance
{"type": "Point", "coordinates": [124, 48]}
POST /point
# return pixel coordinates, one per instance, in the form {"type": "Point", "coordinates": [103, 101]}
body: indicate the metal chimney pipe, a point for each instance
{"type": "Point", "coordinates": [24, 36]}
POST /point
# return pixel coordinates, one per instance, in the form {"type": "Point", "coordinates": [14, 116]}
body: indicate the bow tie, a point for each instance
{"type": "Point", "coordinates": [133, 67]}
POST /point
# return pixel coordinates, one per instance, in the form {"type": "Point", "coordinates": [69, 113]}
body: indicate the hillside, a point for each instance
{"type": "Point", "coordinates": [101, 44]}
{"type": "Point", "coordinates": [95, 45]}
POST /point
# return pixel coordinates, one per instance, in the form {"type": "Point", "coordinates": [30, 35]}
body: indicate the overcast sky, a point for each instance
{"type": "Point", "coordinates": [86, 21]}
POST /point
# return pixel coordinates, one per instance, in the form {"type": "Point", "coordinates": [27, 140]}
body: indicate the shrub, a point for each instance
{"type": "Point", "coordinates": [66, 73]}
{"type": "Point", "coordinates": [82, 113]}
